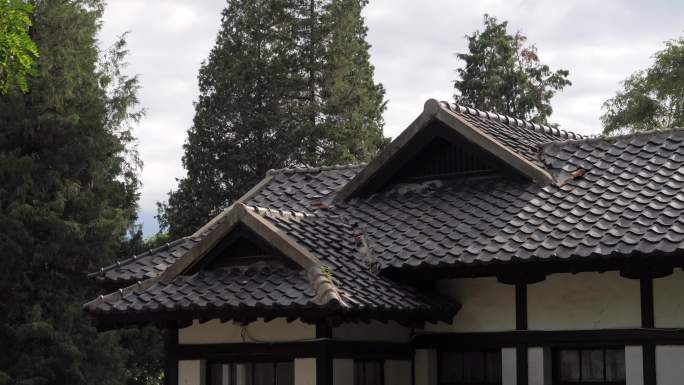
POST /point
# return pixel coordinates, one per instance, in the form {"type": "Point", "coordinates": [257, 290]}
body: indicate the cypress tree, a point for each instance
{"type": "Point", "coordinates": [69, 193]}
{"type": "Point", "coordinates": [503, 75]}
{"type": "Point", "coordinates": [288, 83]}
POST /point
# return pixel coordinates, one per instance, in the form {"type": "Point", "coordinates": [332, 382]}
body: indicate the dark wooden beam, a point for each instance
{"type": "Point", "coordinates": [569, 338]}
{"type": "Point", "coordinates": [521, 325]}
{"type": "Point", "coordinates": [520, 306]}
{"type": "Point", "coordinates": [648, 322]}
{"type": "Point", "coordinates": [647, 308]}
{"type": "Point", "coordinates": [303, 349]}
{"type": "Point", "coordinates": [171, 357]}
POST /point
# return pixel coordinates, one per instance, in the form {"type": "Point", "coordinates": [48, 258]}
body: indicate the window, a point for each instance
{"type": "Point", "coordinates": [470, 368]}
{"type": "Point", "coordinates": [368, 373]}
{"type": "Point", "coordinates": [593, 366]}
{"type": "Point", "coordinates": [251, 373]}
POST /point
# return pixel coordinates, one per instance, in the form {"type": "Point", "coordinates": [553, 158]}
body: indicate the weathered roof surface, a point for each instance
{"type": "Point", "coordinates": [146, 265]}
{"type": "Point", "coordinates": [274, 287]}
{"type": "Point", "coordinates": [340, 246]}
{"type": "Point", "coordinates": [303, 189]}
{"type": "Point", "coordinates": [612, 197]}
{"type": "Point", "coordinates": [518, 135]}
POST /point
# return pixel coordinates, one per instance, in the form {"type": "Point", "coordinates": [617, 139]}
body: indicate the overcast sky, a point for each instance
{"type": "Point", "coordinates": [413, 49]}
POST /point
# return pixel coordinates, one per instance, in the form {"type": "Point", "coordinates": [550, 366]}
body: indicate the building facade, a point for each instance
{"type": "Point", "coordinates": [475, 249]}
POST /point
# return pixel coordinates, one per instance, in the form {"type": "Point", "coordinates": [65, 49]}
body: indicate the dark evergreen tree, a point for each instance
{"type": "Point", "coordinates": [650, 99]}
{"type": "Point", "coordinates": [69, 191]}
{"type": "Point", "coordinates": [288, 83]}
{"type": "Point", "coordinates": [502, 75]}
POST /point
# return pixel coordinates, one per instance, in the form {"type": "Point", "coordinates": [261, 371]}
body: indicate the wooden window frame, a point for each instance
{"type": "Point", "coordinates": [556, 373]}
{"type": "Point", "coordinates": [364, 362]}
{"type": "Point", "coordinates": [251, 362]}
{"type": "Point", "coordinates": [440, 353]}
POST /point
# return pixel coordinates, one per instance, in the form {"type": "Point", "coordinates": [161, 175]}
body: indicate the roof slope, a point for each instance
{"type": "Point", "coordinates": [340, 283]}
{"type": "Point", "coordinates": [619, 197]}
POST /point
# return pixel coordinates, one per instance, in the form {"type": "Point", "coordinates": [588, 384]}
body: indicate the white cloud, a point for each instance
{"type": "Point", "coordinates": [413, 50]}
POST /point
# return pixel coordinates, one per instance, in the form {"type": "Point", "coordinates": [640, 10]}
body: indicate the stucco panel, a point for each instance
{"type": "Point", "coordinates": [191, 372]}
{"type": "Point", "coordinates": [668, 300]}
{"type": "Point", "coordinates": [486, 305]}
{"type": "Point", "coordinates": [584, 301]}
{"type": "Point", "coordinates": [215, 332]}
{"type": "Point", "coordinates": [669, 368]}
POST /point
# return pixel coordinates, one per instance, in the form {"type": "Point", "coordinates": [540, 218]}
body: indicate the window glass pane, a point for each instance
{"type": "Point", "coordinates": [473, 367]}
{"type": "Point", "coordinates": [568, 365]}
{"type": "Point", "coordinates": [264, 373]}
{"type": "Point", "coordinates": [243, 374]}
{"type": "Point", "coordinates": [615, 365]}
{"type": "Point", "coordinates": [215, 374]}
{"type": "Point", "coordinates": [285, 373]}
{"type": "Point", "coordinates": [592, 365]}
{"type": "Point", "coordinates": [451, 367]}
{"type": "Point", "coordinates": [494, 367]}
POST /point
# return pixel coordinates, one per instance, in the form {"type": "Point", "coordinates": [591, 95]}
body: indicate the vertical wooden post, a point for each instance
{"type": "Point", "coordinates": [521, 324]}
{"type": "Point", "coordinates": [648, 322]}
{"type": "Point", "coordinates": [171, 357]}
{"type": "Point", "coordinates": [324, 360]}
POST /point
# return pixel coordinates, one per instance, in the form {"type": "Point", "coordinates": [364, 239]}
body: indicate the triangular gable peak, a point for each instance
{"type": "Point", "coordinates": [441, 143]}
{"type": "Point", "coordinates": [235, 223]}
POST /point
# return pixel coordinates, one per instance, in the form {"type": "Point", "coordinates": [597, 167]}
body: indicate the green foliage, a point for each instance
{"type": "Point", "coordinates": [503, 75]}
{"type": "Point", "coordinates": [650, 99]}
{"type": "Point", "coordinates": [68, 196]}
{"type": "Point", "coordinates": [288, 83]}
{"type": "Point", "coordinates": [18, 52]}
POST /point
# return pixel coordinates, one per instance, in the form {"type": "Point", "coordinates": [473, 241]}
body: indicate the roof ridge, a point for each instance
{"type": "Point", "coordinates": [541, 128]}
{"type": "Point", "coordinates": [611, 138]}
{"type": "Point", "coordinates": [280, 212]}
{"type": "Point", "coordinates": [294, 170]}
{"type": "Point", "coordinates": [135, 257]}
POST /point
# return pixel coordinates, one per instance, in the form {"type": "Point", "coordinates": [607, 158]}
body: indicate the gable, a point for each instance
{"type": "Point", "coordinates": [241, 247]}
{"type": "Point", "coordinates": [410, 155]}
{"type": "Point", "coordinates": [448, 158]}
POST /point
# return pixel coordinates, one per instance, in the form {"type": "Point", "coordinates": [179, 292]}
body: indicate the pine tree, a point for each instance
{"type": "Point", "coordinates": [502, 75]}
{"type": "Point", "coordinates": [288, 83]}
{"type": "Point", "coordinates": [69, 193]}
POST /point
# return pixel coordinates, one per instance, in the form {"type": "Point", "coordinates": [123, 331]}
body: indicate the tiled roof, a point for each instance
{"type": "Point", "coordinates": [303, 189]}
{"type": "Point", "coordinates": [340, 246]}
{"type": "Point", "coordinates": [518, 135]}
{"type": "Point", "coordinates": [146, 265]}
{"type": "Point", "coordinates": [259, 285]}
{"type": "Point", "coordinates": [611, 197]}
{"type": "Point", "coordinates": [273, 287]}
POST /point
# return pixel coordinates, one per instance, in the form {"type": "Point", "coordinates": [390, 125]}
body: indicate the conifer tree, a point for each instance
{"type": "Point", "coordinates": [68, 194]}
{"type": "Point", "coordinates": [503, 75]}
{"type": "Point", "coordinates": [288, 83]}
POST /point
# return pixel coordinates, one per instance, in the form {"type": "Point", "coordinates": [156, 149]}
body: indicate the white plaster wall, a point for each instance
{"type": "Point", "coordinates": [305, 371]}
{"type": "Point", "coordinates": [508, 367]}
{"type": "Point", "coordinates": [668, 301]}
{"type": "Point", "coordinates": [487, 305]}
{"type": "Point", "coordinates": [343, 371]}
{"type": "Point", "coordinates": [539, 366]}
{"type": "Point", "coordinates": [669, 365]}
{"type": "Point", "coordinates": [634, 365]}
{"type": "Point", "coordinates": [191, 372]}
{"type": "Point", "coordinates": [216, 332]}
{"type": "Point", "coordinates": [425, 367]}
{"type": "Point", "coordinates": [584, 301]}
{"type": "Point", "coordinates": [397, 372]}
{"type": "Point", "coordinates": [373, 331]}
